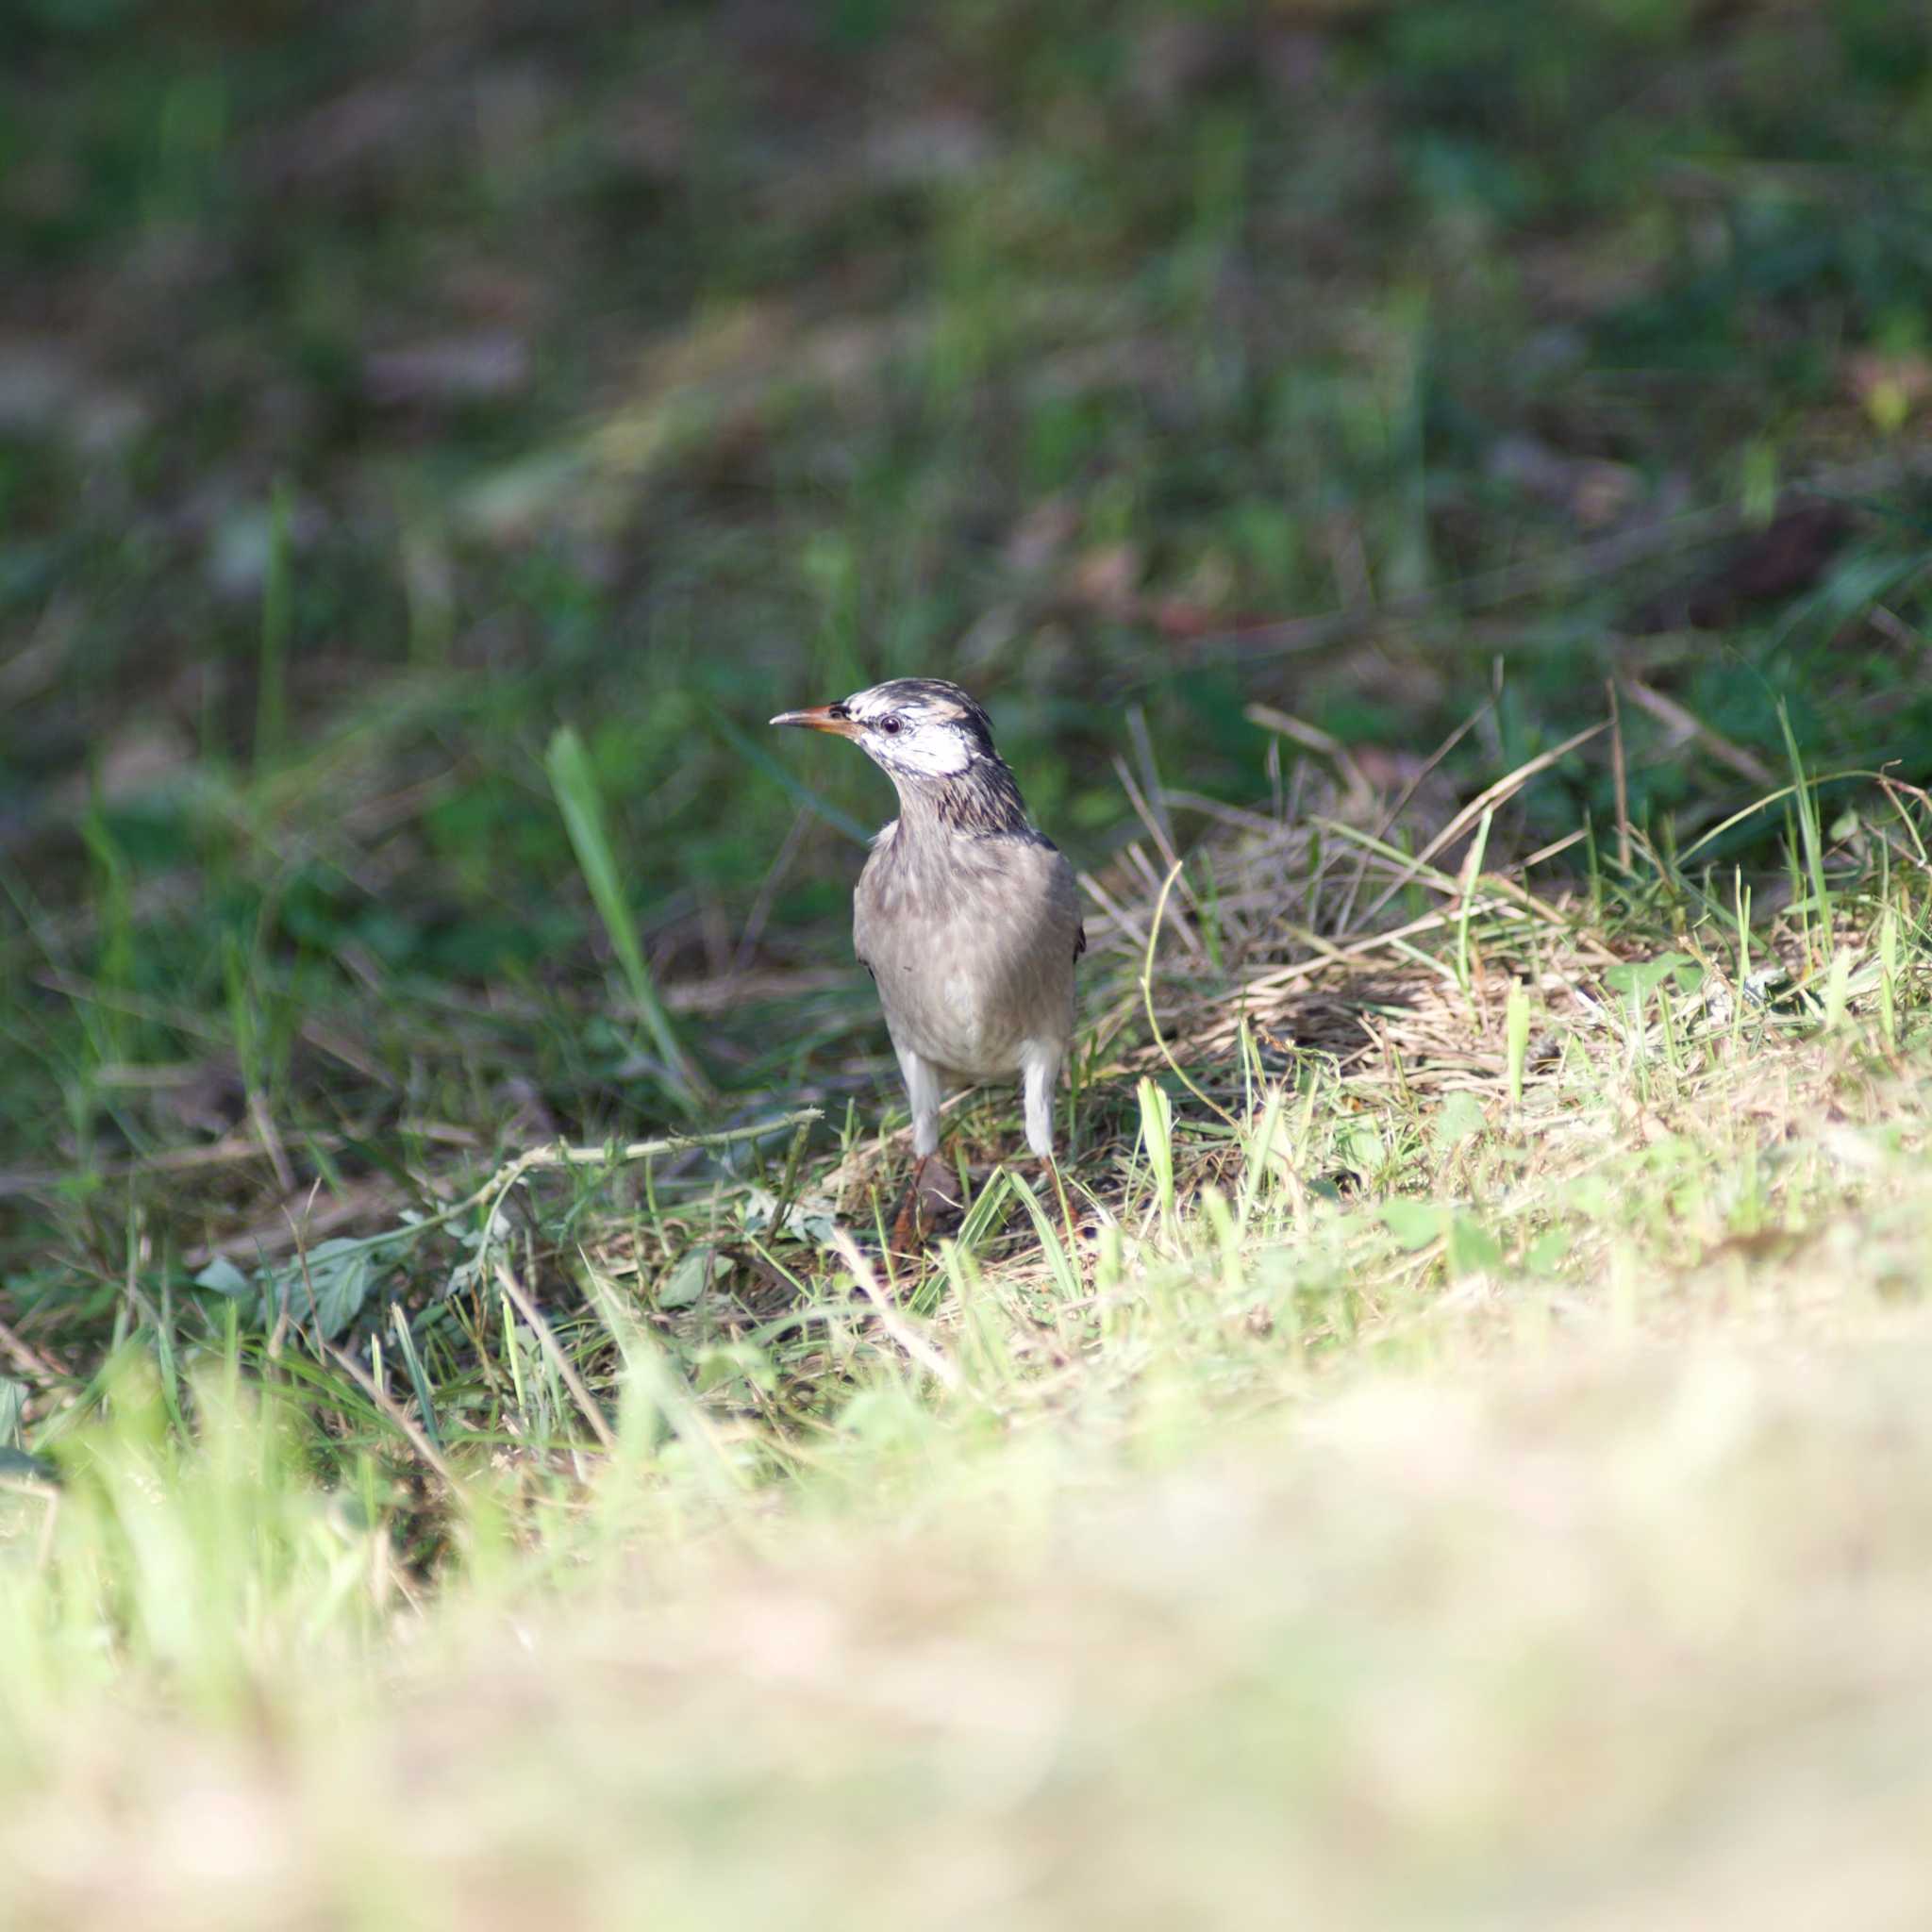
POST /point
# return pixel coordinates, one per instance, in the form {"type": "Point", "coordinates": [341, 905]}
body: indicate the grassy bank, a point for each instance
{"type": "Point", "coordinates": [1478, 1477]}
{"type": "Point", "coordinates": [1434, 499]}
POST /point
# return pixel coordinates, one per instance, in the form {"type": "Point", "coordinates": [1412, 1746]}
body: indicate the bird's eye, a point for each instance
{"type": "Point", "coordinates": [891, 726]}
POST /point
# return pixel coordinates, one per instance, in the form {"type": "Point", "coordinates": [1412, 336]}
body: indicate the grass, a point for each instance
{"type": "Point", "coordinates": [1292, 1488]}
{"type": "Point", "coordinates": [1433, 500]}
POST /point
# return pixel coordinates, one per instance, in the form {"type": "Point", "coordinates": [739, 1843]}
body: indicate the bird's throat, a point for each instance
{"type": "Point", "coordinates": [983, 798]}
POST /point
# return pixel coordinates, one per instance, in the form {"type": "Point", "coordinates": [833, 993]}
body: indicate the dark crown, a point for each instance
{"type": "Point", "coordinates": [934, 698]}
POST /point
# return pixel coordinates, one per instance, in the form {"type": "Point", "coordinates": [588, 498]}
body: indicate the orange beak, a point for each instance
{"type": "Point", "coordinates": [832, 718]}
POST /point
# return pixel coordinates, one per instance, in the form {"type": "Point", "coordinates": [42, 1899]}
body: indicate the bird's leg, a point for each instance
{"type": "Point", "coordinates": [1039, 1072]}
{"type": "Point", "coordinates": [923, 1095]}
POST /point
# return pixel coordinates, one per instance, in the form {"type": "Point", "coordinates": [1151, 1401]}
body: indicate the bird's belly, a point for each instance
{"type": "Point", "coordinates": [953, 1027]}
{"type": "Point", "coordinates": [973, 956]}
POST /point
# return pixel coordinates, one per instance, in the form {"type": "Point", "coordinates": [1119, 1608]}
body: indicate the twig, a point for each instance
{"type": "Point", "coordinates": [1686, 724]}
{"type": "Point", "coordinates": [1117, 913]}
{"type": "Point", "coordinates": [384, 1401]}
{"type": "Point", "coordinates": [271, 1141]}
{"type": "Point", "coordinates": [562, 1155]}
{"type": "Point", "coordinates": [1313, 738]}
{"type": "Point", "coordinates": [1400, 804]}
{"type": "Point", "coordinates": [1770, 798]}
{"type": "Point", "coordinates": [26, 1356]}
{"type": "Point", "coordinates": [1162, 835]}
{"type": "Point", "coordinates": [1136, 857]}
{"type": "Point", "coordinates": [559, 1155]}
{"type": "Point", "coordinates": [1279, 977]}
{"type": "Point", "coordinates": [1150, 774]}
{"type": "Point", "coordinates": [1619, 778]}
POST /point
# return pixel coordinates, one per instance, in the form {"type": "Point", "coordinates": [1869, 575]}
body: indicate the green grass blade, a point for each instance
{"type": "Point", "coordinates": [576, 786]}
{"type": "Point", "coordinates": [1066, 1273]}
{"type": "Point", "coordinates": [1810, 833]}
{"type": "Point", "coordinates": [419, 1380]}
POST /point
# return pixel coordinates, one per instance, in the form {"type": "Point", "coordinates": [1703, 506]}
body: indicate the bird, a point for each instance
{"type": "Point", "coordinates": [966, 916]}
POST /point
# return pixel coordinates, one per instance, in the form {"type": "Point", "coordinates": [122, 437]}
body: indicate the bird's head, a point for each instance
{"type": "Point", "coordinates": [916, 727]}
{"type": "Point", "coordinates": [931, 740]}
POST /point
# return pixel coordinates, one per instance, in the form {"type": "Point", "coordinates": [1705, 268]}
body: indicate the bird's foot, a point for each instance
{"type": "Point", "coordinates": [931, 1201]}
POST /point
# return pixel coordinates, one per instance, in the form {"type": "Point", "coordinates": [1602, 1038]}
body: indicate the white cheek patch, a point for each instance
{"type": "Point", "coordinates": [935, 751]}
{"type": "Point", "coordinates": [927, 751]}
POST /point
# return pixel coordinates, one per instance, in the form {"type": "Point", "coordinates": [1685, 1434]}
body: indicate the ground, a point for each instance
{"type": "Point", "coordinates": [1434, 500]}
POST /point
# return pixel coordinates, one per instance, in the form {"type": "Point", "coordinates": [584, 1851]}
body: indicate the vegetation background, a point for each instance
{"type": "Point", "coordinates": [1435, 498]}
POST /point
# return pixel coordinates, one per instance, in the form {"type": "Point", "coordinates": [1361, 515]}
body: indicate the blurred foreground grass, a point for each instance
{"type": "Point", "coordinates": [1453, 1455]}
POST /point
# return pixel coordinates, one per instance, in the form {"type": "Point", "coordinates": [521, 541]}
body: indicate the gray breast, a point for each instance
{"type": "Point", "coordinates": [972, 940]}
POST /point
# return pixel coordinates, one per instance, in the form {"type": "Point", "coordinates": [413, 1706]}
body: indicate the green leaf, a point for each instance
{"type": "Point", "coordinates": [324, 1289]}
{"type": "Point", "coordinates": [226, 1278]}
{"type": "Point", "coordinates": [15, 1461]}
{"type": "Point", "coordinates": [726, 1365]}
{"type": "Point", "coordinates": [21, 1467]}
{"type": "Point", "coordinates": [12, 1407]}
{"type": "Point", "coordinates": [1473, 1249]}
{"type": "Point", "coordinates": [695, 1270]}
{"type": "Point", "coordinates": [1459, 1118]}
{"type": "Point", "coordinates": [810, 1217]}
{"type": "Point", "coordinates": [1643, 977]}
{"type": "Point", "coordinates": [1415, 1224]}
{"type": "Point", "coordinates": [1590, 1196]}
{"type": "Point", "coordinates": [1547, 1251]}
{"type": "Point", "coordinates": [1360, 1148]}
